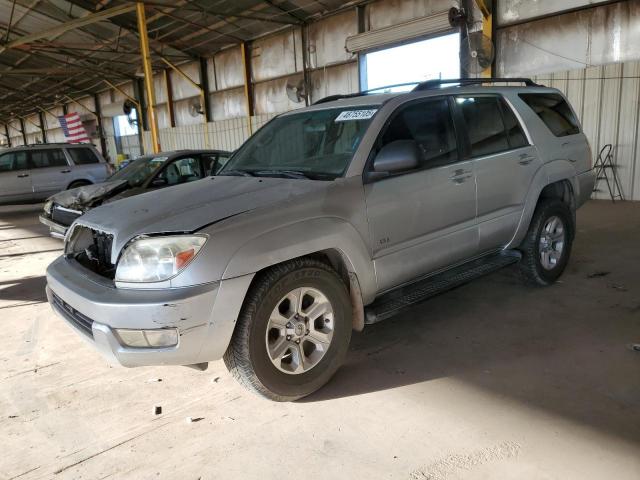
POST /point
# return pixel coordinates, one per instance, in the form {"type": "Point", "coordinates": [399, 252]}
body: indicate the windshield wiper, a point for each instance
{"type": "Point", "coordinates": [237, 173]}
{"type": "Point", "coordinates": [283, 173]}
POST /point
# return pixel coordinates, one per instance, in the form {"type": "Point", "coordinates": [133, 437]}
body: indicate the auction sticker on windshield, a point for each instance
{"type": "Point", "coordinates": [355, 115]}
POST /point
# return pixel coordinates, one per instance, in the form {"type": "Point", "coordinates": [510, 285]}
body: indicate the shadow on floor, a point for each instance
{"type": "Point", "coordinates": [562, 348]}
{"type": "Point", "coordinates": [30, 289]}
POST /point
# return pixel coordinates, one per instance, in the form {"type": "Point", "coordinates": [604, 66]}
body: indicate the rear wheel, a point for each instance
{"type": "Point", "coordinates": [78, 183]}
{"type": "Point", "coordinates": [293, 332]}
{"type": "Point", "coordinates": [547, 246]}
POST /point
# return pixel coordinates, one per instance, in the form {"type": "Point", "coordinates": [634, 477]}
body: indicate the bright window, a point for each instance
{"type": "Point", "coordinates": [414, 62]}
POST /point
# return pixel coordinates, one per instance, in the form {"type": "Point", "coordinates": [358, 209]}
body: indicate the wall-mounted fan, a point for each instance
{"type": "Point", "coordinates": [195, 108]}
{"type": "Point", "coordinates": [296, 92]}
{"type": "Point", "coordinates": [476, 49]}
{"type": "Point", "coordinates": [127, 108]}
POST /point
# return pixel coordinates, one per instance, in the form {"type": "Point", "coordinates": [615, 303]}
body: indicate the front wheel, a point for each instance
{"type": "Point", "coordinates": [547, 246]}
{"type": "Point", "coordinates": [293, 331]}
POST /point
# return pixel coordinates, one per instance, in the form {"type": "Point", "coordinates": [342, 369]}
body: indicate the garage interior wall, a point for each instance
{"type": "Point", "coordinates": [589, 53]}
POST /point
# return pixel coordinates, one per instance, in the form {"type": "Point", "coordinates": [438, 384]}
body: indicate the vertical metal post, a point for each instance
{"type": "Point", "coordinates": [43, 127]}
{"type": "Point", "coordinates": [169, 89]}
{"type": "Point", "coordinates": [204, 85]}
{"type": "Point", "coordinates": [65, 110]}
{"type": "Point", "coordinates": [6, 134]}
{"type": "Point", "coordinates": [304, 34]}
{"type": "Point", "coordinates": [24, 134]}
{"type": "Point", "coordinates": [141, 112]}
{"type": "Point", "coordinates": [148, 74]}
{"type": "Point", "coordinates": [248, 86]}
{"type": "Point", "coordinates": [103, 142]}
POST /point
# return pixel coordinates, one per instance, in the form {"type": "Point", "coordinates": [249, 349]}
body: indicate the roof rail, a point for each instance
{"type": "Point", "coordinates": [331, 98]}
{"type": "Point", "coordinates": [430, 84]}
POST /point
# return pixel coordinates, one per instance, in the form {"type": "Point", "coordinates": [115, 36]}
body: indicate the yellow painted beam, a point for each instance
{"type": "Point", "coordinates": [148, 76]}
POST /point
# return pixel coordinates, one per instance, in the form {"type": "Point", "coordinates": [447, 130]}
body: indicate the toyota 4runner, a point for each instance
{"type": "Point", "coordinates": [328, 218]}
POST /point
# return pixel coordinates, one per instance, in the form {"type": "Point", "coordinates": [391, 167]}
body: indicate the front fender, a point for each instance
{"type": "Point", "coordinates": [303, 238]}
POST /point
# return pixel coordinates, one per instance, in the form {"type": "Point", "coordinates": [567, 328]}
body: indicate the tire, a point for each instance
{"type": "Point", "coordinates": [257, 338]}
{"type": "Point", "coordinates": [78, 183]}
{"type": "Point", "coordinates": [544, 237]}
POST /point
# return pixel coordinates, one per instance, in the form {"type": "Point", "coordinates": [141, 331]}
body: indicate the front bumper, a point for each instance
{"type": "Point", "coordinates": [57, 230]}
{"type": "Point", "coordinates": [94, 308]}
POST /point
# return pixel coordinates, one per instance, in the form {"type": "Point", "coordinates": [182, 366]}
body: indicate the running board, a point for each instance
{"type": "Point", "coordinates": [396, 300]}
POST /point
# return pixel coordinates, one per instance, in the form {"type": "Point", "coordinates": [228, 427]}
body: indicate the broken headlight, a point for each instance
{"type": "Point", "coordinates": [158, 258]}
{"type": "Point", "coordinates": [48, 205]}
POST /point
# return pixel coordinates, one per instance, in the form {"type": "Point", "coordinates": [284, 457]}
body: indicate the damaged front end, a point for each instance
{"type": "Point", "coordinates": [63, 208]}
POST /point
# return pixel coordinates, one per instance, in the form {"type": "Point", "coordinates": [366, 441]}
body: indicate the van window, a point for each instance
{"type": "Point", "coordinates": [12, 161]}
{"type": "Point", "coordinates": [554, 111]}
{"type": "Point", "coordinates": [484, 124]}
{"type": "Point", "coordinates": [48, 158]}
{"type": "Point", "coordinates": [429, 123]}
{"type": "Point", "coordinates": [82, 156]}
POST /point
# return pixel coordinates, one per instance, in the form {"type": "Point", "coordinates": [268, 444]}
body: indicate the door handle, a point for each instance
{"type": "Point", "coordinates": [525, 159]}
{"type": "Point", "coordinates": [23, 175]}
{"type": "Point", "coordinates": [65, 171]}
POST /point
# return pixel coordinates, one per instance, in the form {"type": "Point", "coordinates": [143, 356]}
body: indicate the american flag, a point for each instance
{"type": "Point", "coordinates": [74, 132]}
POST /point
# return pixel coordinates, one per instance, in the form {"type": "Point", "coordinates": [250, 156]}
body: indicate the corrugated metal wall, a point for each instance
{"type": "Point", "coordinates": [607, 100]}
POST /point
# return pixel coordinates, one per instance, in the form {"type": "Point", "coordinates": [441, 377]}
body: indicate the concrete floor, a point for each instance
{"type": "Point", "coordinates": [492, 380]}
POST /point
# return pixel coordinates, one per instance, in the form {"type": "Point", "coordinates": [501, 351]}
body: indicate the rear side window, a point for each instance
{"type": "Point", "coordinates": [82, 156]}
{"type": "Point", "coordinates": [483, 119]}
{"type": "Point", "coordinates": [554, 111]}
{"type": "Point", "coordinates": [429, 123]}
{"type": "Point", "coordinates": [48, 158]}
{"type": "Point", "coordinates": [12, 161]}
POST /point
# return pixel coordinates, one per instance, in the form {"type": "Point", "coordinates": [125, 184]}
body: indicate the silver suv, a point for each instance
{"type": "Point", "coordinates": [31, 173]}
{"type": "Point", "coordinates": [328, 218]}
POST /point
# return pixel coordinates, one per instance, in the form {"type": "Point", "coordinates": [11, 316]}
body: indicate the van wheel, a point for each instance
{"type": "Point", "coordinates": [293, 331]}
{"type": "Point", "coordinates": [78, 183]}
{"type": "Point", "coordinates": [547, 246]}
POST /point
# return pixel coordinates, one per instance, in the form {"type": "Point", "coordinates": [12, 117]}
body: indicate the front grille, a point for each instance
{"type": "Point", "coordinates": [82, 322]}
{"type": "Point", "coordinates": [63, 216]}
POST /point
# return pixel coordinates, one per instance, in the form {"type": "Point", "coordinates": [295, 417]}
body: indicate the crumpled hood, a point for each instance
{"type": "Point", "coordinates": [191, 206]}
{"type": "Point", "coordinates": [82, 197]}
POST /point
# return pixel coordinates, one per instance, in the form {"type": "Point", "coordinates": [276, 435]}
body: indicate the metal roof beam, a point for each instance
{"type": "Point", "coordinates": [70, 25]}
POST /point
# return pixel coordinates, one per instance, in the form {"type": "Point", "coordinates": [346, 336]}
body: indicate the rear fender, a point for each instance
{"type": "Point", "coordinates": [551, 172]}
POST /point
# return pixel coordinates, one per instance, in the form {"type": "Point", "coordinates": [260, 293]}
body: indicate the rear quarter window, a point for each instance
{"type": "Point", "coordinates": [554, 111]}
{"type": "Point", "coordinates": [82, 156]}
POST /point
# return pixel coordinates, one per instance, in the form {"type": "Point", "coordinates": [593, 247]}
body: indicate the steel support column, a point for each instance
{"type": "Point", "coordinates": [204, 83]}
{"type": "Point", "coordinates": [22, 130]}
{"type": "Point", "coordinates": [169, 88]}
{"type": "Point", "coordinates": [148, 75]}
{"type": "Point", "coordinates": [6, 134]}
{"type": "Point", "coordinates": [43, 127]}
{"type": "Point", "coordinates": [248, 86]}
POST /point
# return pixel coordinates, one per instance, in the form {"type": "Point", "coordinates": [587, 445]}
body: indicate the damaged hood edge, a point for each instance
{"type": "Point", "coordinates": [81, 197]}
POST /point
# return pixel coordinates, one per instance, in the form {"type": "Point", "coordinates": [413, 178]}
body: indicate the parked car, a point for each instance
{"type": "Point", "coordinates": [146, 173]}
{"type": "Point", "coordinates": [33, 172]}
{"type": "Point", "coordinates": [328, 218]}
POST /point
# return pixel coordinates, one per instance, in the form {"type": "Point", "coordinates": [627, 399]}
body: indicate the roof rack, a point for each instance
{"type": "Point", "coordinates": [430, 84]}
{"type": "Point", "coordinates": [331, 98]}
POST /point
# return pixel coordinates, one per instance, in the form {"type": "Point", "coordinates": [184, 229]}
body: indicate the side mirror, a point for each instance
{"type": "Point", "coordinates": [397, 156]}
{"type": "Point", "coordinates": [159, 182]}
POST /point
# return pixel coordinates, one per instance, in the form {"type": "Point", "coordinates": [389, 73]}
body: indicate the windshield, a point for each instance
{"type": "Point", "coordinates": [313, 144]}
{"type": "Point", "coordinates": [139, 170]}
